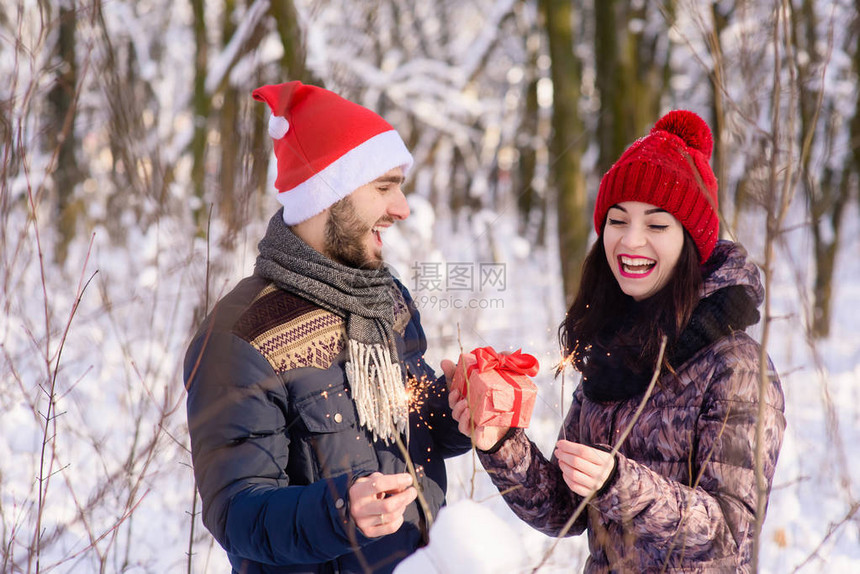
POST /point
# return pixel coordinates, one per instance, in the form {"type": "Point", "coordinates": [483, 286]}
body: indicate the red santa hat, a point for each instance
{"type": "Point", "coordinates": [326, 147]}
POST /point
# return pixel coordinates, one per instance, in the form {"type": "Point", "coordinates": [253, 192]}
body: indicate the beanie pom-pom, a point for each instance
{"type": "Point", "coordinates": [278, 127]}
{"type": "Point", "coordinates": [690, 128]}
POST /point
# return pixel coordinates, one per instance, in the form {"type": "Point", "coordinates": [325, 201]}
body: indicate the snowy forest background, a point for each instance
{"type": "Point", "coordinates": [135, 181]}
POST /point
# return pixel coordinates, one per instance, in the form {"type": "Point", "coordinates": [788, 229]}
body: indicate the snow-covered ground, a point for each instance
{"type": "Point", "coordinates": [120, 375]}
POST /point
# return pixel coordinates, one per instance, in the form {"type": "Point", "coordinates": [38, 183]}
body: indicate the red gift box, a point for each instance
{"type": "Point", "coordinates": [498, 386]}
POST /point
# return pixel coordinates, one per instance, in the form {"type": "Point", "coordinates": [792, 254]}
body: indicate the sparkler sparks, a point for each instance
{"type": "Point", "coordinates": [420, 390]}
{"type": "Point", "coordinates": [566, 360]}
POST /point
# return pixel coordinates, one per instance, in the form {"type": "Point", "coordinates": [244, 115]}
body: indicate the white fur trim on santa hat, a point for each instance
{"type": "Point", "coordinates": [360, 165]}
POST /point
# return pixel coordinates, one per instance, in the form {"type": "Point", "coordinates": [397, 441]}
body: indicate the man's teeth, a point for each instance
{"type": "Point", "coordinates": [637, 265]}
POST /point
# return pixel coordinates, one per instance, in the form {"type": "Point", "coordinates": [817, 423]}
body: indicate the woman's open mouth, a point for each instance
{"type": "Point", "coordinates": [635, 267]}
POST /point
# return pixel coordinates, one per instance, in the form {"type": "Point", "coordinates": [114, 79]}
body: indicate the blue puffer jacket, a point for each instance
{"type": "Point", "coordinates": [276, 443]}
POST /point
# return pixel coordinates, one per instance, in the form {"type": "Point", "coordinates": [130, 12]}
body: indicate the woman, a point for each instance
{"type": "Point", "coordinates": [680, 494]}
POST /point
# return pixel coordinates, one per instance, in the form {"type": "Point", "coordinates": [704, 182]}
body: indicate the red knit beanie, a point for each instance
{"type": "Point", "coordinates": [668, 168]}
{"type": "Point", "coordinates": [326, 147]}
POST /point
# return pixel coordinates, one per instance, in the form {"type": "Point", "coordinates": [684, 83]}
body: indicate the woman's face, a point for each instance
{"type": "Point", "coordinates": [643, 244]}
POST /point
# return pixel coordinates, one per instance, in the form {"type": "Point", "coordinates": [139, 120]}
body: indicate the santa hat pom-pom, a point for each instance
{"type": "Point", "coordinates": [690, 128]}
{"type": "Point", "coordinates": [278, 127]}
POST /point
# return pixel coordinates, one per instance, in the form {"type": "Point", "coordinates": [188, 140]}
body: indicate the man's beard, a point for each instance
{"type": "Point", "coordinates": [346, 237]}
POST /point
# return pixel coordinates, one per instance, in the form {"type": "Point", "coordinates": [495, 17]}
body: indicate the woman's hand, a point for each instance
{"type": "Point", "coordinates": [483, 437]}
{"type": "Point", "coordinates": [585, 469]}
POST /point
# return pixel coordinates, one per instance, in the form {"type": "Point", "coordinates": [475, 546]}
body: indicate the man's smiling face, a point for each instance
{"type": "Point", "coordinates": [353, 231]}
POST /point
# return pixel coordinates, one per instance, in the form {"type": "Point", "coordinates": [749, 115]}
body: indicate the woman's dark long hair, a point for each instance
{"type": "Point", "coordinates": [602, 312]}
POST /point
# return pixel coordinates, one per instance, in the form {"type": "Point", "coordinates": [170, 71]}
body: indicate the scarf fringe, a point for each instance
{"type": "Point", "coordinates": [377, 388]}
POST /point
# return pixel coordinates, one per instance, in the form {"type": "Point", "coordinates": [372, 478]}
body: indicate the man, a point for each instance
{"type": "Point", "coordinates": [307, 380]}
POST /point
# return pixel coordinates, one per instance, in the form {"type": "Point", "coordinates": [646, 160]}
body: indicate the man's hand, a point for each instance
{"type": "Point", "coordinates": [483, 437]}
{"type": "Point", "coordinates": [377, 502]}
{"type": "Point", "coordinates": [585, 469]}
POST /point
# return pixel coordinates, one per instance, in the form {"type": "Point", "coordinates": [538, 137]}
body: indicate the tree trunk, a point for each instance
{"type": "Point", "coordinates": [62, 101]}
{"type": "Point", "coordinates": [631, 75]}
{"type": "Point", "coordinates": [228, 142]}
{"type": "Point", "coordinates": [610, 79]}
{"type": "Point", "coordinates": [201, 106]}
{"type": "Point", "coordinates": [260, 147]}
{"type": "Point", "coordinates": [720, 161]}
{"type": "Point", "coordinates": [293, 60]}
{"type": "Point", "coordinates": [567, 142]}
{"type": "Point", "coordinates": [528, 198]}
{"type": "Point", "coordinates": [648, 68]}
{"type": "Point", "coordinates": [826, 194]}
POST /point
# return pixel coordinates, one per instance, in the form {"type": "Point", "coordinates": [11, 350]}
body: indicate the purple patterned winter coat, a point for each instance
{"type": "Point", "coordinates": [683, 497]}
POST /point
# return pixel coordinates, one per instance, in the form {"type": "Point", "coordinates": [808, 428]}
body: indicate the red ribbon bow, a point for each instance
{"type": "Point", "coordinates": [518, 363]}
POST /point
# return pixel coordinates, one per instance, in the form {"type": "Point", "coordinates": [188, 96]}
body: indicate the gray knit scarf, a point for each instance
{"type": "Point", "coordinates": [372, 306]}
